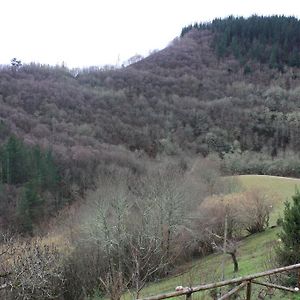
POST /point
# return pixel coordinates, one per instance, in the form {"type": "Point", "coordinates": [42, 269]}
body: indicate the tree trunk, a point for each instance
{"type": "Point", "coordinates": [235, 262]}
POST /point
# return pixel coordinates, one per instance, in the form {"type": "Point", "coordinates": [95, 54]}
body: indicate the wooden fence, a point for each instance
{"type": "Point", "coordinates": [240, 282]}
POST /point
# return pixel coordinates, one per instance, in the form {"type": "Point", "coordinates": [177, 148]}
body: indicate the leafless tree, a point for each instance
{"type": "Point", "coordinates": [146, 260]}
{"type": "Point", "coordinates": [134, 227]}
{"type": "Point", "coordinates": [207, 173]}
{"type": "Point", "coordinates": [254, 210]}
{"type": "Point", "coordinates": [30, 270]}
{"type": "Point", "coordinates": [7, 249]}
{"type": "Point", "coordinates": [230, 248]}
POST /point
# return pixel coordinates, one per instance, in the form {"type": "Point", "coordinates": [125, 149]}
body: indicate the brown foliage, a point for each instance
{"type": "Point", "coordinates": [255, 210]}
{"type": "Point", "coordinates": [247, 211]}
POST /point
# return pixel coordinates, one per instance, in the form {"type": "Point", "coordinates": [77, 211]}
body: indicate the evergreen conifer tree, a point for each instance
{"type": "Point", "coordinates": [29, 207]}
{"type": "Point", "coordinates": [288, 252]}
{"type": "Point", "coordinates": [14, 162]}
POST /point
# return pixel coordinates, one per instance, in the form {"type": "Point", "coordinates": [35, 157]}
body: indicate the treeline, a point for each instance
{"type": "Point", "coordinates": [286, 165]}
{"type": "Point", "coordinates": [269, 40]}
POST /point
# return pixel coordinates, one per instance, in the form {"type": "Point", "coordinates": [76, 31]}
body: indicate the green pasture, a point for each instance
{"type": "Point", "coordinates": [254, 252]}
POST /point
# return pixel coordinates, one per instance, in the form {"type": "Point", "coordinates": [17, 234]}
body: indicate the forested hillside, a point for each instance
{"type": "Point", "coordinates": [270, 40]}
{"type": "Point", "coordinates": [229, 87]}
{"type": "Point", "coordinates": [120, 170]}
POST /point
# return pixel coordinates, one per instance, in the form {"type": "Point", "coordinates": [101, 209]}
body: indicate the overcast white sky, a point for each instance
{"type": "Point", "coordinates": [97, 32]}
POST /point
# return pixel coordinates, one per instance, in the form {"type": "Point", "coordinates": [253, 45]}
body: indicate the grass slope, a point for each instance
{"type": "Point", "coordinates": [283, 188]}
{"type": "Point", "coordinates": [253, 252]}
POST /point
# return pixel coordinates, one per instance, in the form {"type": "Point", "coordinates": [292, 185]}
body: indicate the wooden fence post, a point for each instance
{"type": "Point", "coordinates": [189, 295]}
{"type": "Point", "coordinates": [248, 291]}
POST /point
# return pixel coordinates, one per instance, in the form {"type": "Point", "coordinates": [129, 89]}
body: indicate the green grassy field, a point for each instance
{"type": "Point", "coordinates": [281, 188]}
{"type": "Point", "coordinates": [253, 252]}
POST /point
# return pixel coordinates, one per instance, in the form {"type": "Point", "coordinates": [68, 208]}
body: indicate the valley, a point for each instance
{"type": "Point", "coordinates": [129, 177]}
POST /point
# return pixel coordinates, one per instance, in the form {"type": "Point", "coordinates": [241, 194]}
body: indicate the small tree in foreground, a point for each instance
{"type": "Point", "coordinates": [289, 251]}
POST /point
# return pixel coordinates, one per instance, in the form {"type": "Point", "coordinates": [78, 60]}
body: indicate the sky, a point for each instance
{"type": "Point", "coordinates": [82, 33]}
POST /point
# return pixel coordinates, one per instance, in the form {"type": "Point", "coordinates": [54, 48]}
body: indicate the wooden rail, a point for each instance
{"type": "Point", "coordinates": [245, 281]}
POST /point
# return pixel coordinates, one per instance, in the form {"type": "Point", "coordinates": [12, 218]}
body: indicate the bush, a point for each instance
{"type": "Point", "coordinates": [34, 271]}
{"type": "Point", "coordinates": [254, 210]}
{"type": "Point", "coordinates": [245, 211]}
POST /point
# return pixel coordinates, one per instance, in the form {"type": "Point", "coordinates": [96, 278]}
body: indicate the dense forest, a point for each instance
{"type": "Point", "coordinates": [270, 40]}
{"type": "Point", "coordinates": [225, 92]}
{"type": "Point", "coordinates": [188, 99]}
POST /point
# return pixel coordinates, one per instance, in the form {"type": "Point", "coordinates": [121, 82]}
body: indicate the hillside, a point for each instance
{"type": "Point", "coordinates": [117, 176]}
{"type": "Point", "coordinates": [254, 252]}
{"type": "Point", "coordinates": [187, 99]}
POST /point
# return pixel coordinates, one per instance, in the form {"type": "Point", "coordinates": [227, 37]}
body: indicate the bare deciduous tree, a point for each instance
{"type": "Point", "coordinates": [6, 251]}
{"type": "Point", "coordinates": [254, 210]}
{"type": "Point", "coordinates": [134, 226]}
{"type": "Point", "coordinates": [30, 270]}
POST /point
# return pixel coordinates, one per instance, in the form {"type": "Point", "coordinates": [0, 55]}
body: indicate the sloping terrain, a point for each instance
{"type": "Point", "coordinates": [188, 99]}
{"type": "Point", "coordinates": [156, 136]}
{"type": "Point", "coordinates": [254, 252]}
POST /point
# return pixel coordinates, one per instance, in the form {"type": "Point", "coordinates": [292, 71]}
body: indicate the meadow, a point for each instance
{"type": "Point", "coordinates": [255, 252]}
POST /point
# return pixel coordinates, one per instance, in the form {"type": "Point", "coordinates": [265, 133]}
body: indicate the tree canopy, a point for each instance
{"type": "Point", "coordinates": [274, 40]}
